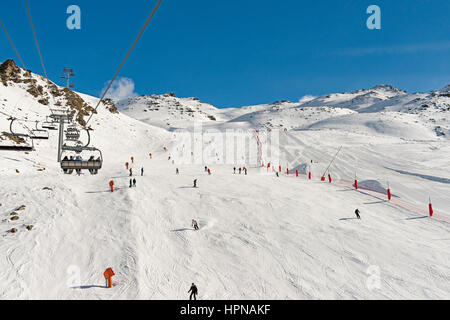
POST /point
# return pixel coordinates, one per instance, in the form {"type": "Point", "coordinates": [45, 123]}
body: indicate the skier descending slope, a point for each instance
{"type": "Point", "coordinates": [142, 171]}
{"type": "Point", "coordinates": [195, 183]}
{"type": "Point", "coordinates": [194, 291]}
{"type": "Point", "coordinates": [357, 214]}
{"type": "Point", "coordinates": [134, 182]}
{"type": "Point", "coordinates": [195, 224]}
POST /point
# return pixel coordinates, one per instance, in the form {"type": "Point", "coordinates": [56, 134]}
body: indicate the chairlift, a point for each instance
{"type": "Point", "coordinates": [39, 134]}
{"type": "Point", "coordinates": [75, 161]}
{"type": "Point", "coordinates": [72, 133]}
{"type": "Point", "coordinates": [49, 125]}
{"type": "Point", "coordinates": [19, 138]}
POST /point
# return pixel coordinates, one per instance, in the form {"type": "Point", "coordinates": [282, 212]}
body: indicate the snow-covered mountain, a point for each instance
{"type": "Point", "coordinates": [382, 104]}
{"type": "Point", "coordinates": [261, 236]}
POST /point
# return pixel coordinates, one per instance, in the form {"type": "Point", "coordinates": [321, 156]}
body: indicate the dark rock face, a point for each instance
{"type": "Point", "coordinates": [10, 72]}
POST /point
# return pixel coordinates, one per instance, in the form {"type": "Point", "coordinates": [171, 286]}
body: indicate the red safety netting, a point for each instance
{"type": "Point", "coordinates": [417, 208]}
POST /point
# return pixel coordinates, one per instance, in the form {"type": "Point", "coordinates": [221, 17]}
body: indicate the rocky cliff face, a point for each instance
{"type": "Point", "coordinates": [47, 93]}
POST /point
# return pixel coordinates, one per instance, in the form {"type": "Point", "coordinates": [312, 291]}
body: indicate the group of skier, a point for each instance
{"type": "Point", "coordinates": [240, 170]}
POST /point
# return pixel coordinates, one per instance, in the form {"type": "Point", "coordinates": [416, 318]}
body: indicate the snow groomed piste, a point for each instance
{"type": "Point", "coordinates": [157, 226]}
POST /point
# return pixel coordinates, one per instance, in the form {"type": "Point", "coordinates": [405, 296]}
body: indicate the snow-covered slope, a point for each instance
{"type": "Point", "coordinates": [261, 237]}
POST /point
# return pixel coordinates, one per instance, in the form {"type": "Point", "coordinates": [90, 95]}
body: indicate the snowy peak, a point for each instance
{"type": "Point", "coordinates": [446, 88]}
{"type": "Point", "coordinates": [167, 110]}
{"type": "Point", "coordinates": [357, 100]}
{"type": "Point", "coordinates": [387, 88]}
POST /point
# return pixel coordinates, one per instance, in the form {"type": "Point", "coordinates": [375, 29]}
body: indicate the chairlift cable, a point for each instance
{"type": "Point", "coordinates": [126, 58]}
{"type": "Point", "coordinates": [12, 44]}
{"type": "Point", "coordinates": [35, 39]}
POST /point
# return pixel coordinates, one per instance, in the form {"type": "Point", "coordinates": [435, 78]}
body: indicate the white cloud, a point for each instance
{"type": "Point", "coordinates": [306, 98]}
{"type": "Point", "coordinates": [121, 89]}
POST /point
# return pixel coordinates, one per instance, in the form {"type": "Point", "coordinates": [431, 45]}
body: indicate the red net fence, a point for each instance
{"type": "Point", "coordinates": [379, 193]}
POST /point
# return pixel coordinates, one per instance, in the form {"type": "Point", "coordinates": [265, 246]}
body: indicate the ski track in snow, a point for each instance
{"type": "Point", "coordinates": [260, 237]}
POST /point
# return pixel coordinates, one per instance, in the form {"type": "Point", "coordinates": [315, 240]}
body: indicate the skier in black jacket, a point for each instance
{"type": "Point", "coordinates": [357, 214]}
{"type": "Point", "coordinates": [193, 290]}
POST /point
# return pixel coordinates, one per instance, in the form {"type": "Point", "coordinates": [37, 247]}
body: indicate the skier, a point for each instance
{"type": "Point", "coordinates": [127, 164]}
{"type": "Point", "coordinates": [209, 171]}
{"type": "Point", "coordinates": [357, 214]}
{"type": "Point", "coordinates": [150, 156]}
{"type": "Point", "coordinates": [195, 183]}
{"type": "Point", "coordinates": [277, 174]}
{"type": "Point", "coordinates": [131, 172]}
{"type": "Point", "coordinates": [177, 171]}
{"type": "Point", "coordinates": [234, 170]}
{"type": "Point", "coordinates": [245, 170]}
{"type": "Point", "coordinates": [131, 183]}
{"type": "Point", "coordinates": [206, 168]}
{"type": "Point", "coordinates": [194, 291]}
{"type": "Point", "coordinates": [142, 171]}
{"type": "Point", "coordinates": [134, 182]}
{"type": "Point", "coordinates": [195, 224]}
{"type": "Point", "coordinates": [240, 170]}
{"type": "Point", "coordinates": [132, 159]}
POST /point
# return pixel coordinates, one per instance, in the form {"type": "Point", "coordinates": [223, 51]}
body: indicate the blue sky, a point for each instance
{"type": "Point", "coordinates": [238, 52]}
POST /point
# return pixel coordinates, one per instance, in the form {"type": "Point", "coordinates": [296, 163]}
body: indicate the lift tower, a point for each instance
{"type": "Point", "coordinates": [67, 73]}
{"type": "Point", "coordinates": [61, 117]}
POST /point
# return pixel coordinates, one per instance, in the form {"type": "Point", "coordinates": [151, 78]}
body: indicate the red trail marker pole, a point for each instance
{"type": "Point", "coordinates": [430, 207]}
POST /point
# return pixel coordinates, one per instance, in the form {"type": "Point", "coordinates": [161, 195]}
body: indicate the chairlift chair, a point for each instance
{"type": "Point", "coordinates": [49, 125]}
{"type": "Point", "coordinates": [39, 134]}
{"type": "Point", "coordinates": [77, 163]}
{"type": "Point", "coordinates": [18, 136]}
{"type": "Point", "coordinates": [72, 133]}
